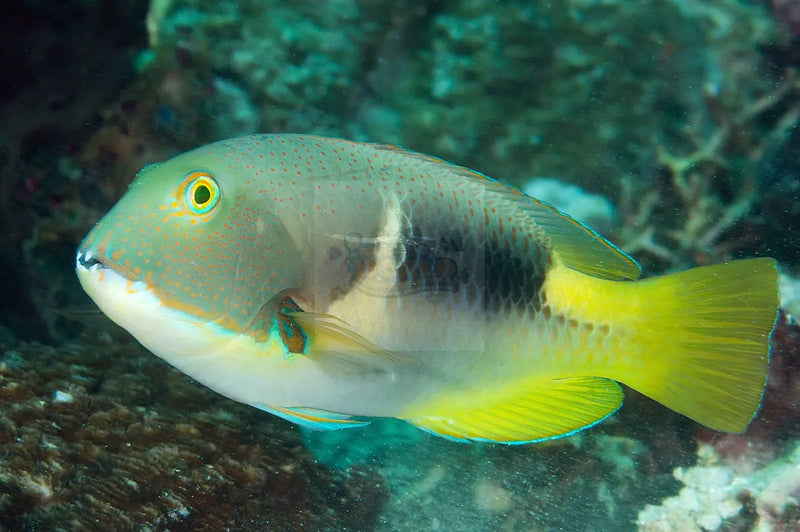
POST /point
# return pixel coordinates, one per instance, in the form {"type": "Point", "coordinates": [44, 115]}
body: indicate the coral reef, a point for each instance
{"type": "Point", "coordinates": [420, 76]}
{"type": "Point", "coordinates": [763, 499]}
{"type": "Point", "coordinates": [100, 431]}
{"type": "Point", "coordinates": [598, 480]}
{"type": "Point", "coordinates": [302, 64]}
{"type": "Point", "coordinates": [712, 189]}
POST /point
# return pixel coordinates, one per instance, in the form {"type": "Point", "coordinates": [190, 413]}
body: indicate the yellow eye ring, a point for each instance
{"type": "Point", "coordinates": [201, 192]}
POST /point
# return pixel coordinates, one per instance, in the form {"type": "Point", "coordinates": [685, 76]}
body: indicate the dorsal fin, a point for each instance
{"type": "Point", "coordinates": [578, 247]}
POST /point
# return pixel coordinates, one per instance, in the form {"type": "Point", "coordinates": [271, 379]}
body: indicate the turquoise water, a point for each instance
{"type": "Point", "coordinates": [668, 126]}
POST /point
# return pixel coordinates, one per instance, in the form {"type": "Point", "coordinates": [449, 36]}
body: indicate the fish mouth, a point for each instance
{"type": "Point", "coordinates": [129, 303]}
{"type": "Point", "coordinates": [92, 261]}
{"type": "Point", "coordinates": [90, 264]}
{"type": "Point", "coordinates": [88, 261]}
{"type": "Point", "coordinates": [170, 332]}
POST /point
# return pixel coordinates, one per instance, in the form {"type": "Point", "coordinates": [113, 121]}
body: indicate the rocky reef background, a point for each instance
{"type": "Point", "coordinates": [677, 120]}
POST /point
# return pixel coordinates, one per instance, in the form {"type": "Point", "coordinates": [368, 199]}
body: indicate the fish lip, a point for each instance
{"type": "Point", "coordinates": [92, 261]}
{"type": "Point", "coordinates": [88, 261]}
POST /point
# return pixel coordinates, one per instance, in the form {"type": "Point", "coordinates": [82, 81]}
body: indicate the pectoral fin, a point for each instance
{"type": "Point", "coordinates": [334, 343]}
{"type": "Point", "coordinates": [521, 413]}
{"type": "Point", "coordinates": [323, 338]}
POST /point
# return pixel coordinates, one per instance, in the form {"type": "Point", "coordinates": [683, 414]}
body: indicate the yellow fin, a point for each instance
{"type": "Point", "coordinates": [333, 342]}
{"type": "Point", "coordinates": [695, 341]}
{"type": "Point", "coordinates": [707, 349]}
{"type": "Point", "coordinates": [553, 409]}
{"type": "Point", "coordinates": [579, 247]}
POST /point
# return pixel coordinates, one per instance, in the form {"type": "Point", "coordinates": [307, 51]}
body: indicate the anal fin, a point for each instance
{"type": "Point", "coordinates": [522, 413]}
{"type": "Point", "coordinates": [313, 418]}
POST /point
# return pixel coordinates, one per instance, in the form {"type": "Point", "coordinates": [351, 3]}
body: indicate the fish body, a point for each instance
{"type": "Point", "coordinates": [326, 281]}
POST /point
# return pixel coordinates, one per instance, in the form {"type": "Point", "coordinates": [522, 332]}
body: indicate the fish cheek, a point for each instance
{"type": "Point", "coordinates": [263, 262]}
{"type": "Point", "coordinates": [181, 269]}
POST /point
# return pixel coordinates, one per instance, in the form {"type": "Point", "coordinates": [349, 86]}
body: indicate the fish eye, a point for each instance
{"type": "Point", "coordinates": [201, 192]}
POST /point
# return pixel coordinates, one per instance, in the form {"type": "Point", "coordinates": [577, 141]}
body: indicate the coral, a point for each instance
{"type": "Point", "coordinates": [712, 189]}
{"type": "Point", "coordinates": [102, 432]}
{"type": "Point", "coordinates": [301, 64]}
{"type": "Point", "coordinates": [731, 493]}
{"type": "Point", "coordinates": [598, 479]}
{"type": "Point", "coordinates": [383, 71]}
{"type": "Point", "coordinates": [790, 296]}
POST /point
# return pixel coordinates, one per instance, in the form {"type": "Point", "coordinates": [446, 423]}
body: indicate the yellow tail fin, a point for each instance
{"type": "Point", "coordinates": [705, 341]}
{"type": "Point", "coordinates": [695, 341]}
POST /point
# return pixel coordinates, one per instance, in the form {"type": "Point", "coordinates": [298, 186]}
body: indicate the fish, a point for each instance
{"type": "Point", "coordinates": [329, 282]}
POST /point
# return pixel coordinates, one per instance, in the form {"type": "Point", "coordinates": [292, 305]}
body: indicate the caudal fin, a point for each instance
{"type": "Point", "coordinates": [707, 347]}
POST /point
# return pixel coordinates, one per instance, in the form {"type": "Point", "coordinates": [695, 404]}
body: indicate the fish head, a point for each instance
{"type": "Point", "coordinates": [188, 246]}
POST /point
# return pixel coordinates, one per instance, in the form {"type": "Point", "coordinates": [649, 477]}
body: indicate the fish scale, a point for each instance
{"type": "Point", "coordinates": [324, 281]}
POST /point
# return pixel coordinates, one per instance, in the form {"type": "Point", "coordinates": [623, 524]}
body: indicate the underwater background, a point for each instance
{"type": "Point", "coordinates": [668, 126]}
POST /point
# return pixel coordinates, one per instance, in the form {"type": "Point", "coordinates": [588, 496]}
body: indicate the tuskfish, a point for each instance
{"type": "Point", "coordinates": [327, 281]}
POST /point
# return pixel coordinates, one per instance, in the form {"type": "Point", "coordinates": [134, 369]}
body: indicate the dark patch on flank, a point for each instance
{"type": "Point", "coordinates": [432, 264]}
{"type": "Point", "coordinates": [451, 262]}
{"type": "Point", "coordinates": [511, 281]}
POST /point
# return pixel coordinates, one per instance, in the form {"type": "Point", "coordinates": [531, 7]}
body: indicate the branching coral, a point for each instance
{"type": "Point", "coordinates": [708, 194]}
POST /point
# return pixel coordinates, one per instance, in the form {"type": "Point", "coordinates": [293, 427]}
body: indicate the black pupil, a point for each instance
{"type": "Point", "coordinates": [202, 194]}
